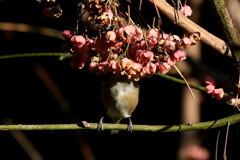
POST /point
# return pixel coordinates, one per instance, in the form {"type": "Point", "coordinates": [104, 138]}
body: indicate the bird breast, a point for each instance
{"type": "Point", "coordinates": [119, 96]}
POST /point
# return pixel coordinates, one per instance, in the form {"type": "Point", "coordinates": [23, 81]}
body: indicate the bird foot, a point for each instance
{"type": "Point", "coordinates": [130, 127]}
{"type": "Point", "coordinates": [100, 125]}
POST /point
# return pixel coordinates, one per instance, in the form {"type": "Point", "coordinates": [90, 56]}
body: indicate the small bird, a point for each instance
{"type": "Point", "coordinates": [120, 98]}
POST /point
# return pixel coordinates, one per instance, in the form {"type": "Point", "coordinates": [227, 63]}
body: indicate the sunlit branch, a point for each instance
{"type": "Point", "coordinates": [152, 128]}
{"type": "Point", "coordinates": [188, 25]}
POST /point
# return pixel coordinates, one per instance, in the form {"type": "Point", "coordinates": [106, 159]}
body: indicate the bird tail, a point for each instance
{"type": "Point", "coordinates": [115, 121]}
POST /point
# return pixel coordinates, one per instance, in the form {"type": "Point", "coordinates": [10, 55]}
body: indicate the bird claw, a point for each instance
{"type": "Point", "coordinates": [100, 125]}
{"type": "Point", "coordinates": [129, 128]}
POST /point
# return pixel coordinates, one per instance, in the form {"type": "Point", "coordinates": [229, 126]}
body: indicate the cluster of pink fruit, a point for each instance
{"type": "Point", "coordinates": [124, 48]}
{"type": "Point", "coordinates": [217, 93]}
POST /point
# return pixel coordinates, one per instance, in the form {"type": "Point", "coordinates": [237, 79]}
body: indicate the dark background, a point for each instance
{"type": "Point", "coordinates": [26, 100]}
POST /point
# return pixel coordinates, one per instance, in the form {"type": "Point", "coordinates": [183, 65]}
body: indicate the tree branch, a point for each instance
{"type": "Point", "coordinates": [159, 128]}
{"type": "Point", "coordinates": [188, 25]}
{"type": "Point", "coordinates": [231, 33]}
{"type": "Point", "coordinates": [228, 27]}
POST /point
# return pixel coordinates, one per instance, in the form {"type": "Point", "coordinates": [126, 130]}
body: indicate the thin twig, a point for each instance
{"type": "Point", "coordinates": [34, 55]}
{"type": "Point", "coordinates": [139, 14]}
{"type": "Point", "coordinates": [156, 9]}
{"type": "Point", "coordinates": [179, 72]}
{"type": "Point", "coordinates": [140, 5]}
{"type": "Point", "coordinates": [21, 27]}
{"type": "Point", "coordinates": [129, 17]}
{"type": "Point", "coordinates": [139, 9]}
{"type": "Point", "coordinates": [216, 150]}
{"type": "Point", "coordinates": [127, 14]}
{"type": "Point", "coordinates": [225, 145]}
{"type": "Point", "coordinates": [180, 81]}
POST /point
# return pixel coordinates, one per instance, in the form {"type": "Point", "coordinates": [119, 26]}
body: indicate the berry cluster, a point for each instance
{"type": "Point", "coordinates": [122, 47]}
{"type": "Point", "coordinates": [217, 93]}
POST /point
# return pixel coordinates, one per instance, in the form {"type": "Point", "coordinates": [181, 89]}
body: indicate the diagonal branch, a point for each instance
{"type": "Point", "coordinates": [188, 25]}
{"type": "Point", "coordinates": [228, 27]}
{"type": "Point", "coordinates": [159, 128]}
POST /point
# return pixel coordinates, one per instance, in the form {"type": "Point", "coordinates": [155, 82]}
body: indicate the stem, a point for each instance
{"type": "Point", "coordinates": [139, 14]}
{"type": "Point", "coordinates": [34, 55]}
{"type": "Point", "coordinates": [225, 145]}
{"type": "Point", "coordinates": [186, 82]}
{"type": "Point", "coordinates": [159, 128]}
{"type": "Point", "coordinates": [180, 81]}
{"type": "Point", "coordinates": [216, 149]}
{"type": "Point", "coordinates": [156, 10]}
